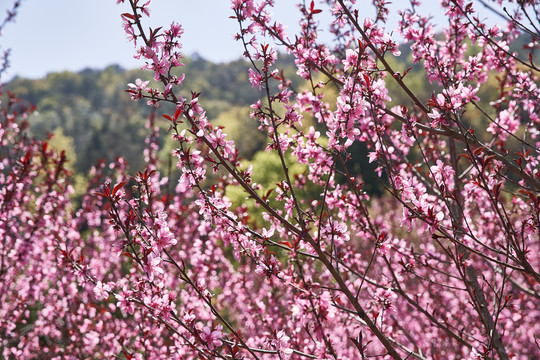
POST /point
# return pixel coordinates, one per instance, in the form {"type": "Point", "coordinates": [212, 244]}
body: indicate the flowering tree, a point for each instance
{"type": "Point", "coordinates": [443, 266]}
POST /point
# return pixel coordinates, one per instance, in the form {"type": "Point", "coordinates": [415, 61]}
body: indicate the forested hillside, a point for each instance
{"type": "Point", "coordinates": [93, 110]}
{"type": "Point", "coordinates": [92, 117]}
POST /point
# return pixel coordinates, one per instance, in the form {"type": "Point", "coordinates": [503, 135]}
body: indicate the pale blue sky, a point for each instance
{"type": "Point", "coordinates": [57, 35]}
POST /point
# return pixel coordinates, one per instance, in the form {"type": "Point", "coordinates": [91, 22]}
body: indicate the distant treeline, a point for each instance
{"type": "Point", "coordinates": [93, 109]}
{"type": "Point", "coordinates": [91, 112]}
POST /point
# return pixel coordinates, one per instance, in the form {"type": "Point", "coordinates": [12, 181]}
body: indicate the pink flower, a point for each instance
{"type": "Point", "coordinates": [161, 68]}
{"type": "Point", "coordinates": [506, 123]}
{"type": "Point", "coordinates": [137, 88]}
{"type": "Point", "coordinates": [283, 344]}
{"type": "Point", "coordinates": [255, 79]}
{"type": "Point", "coordinates": [176, 30]}
{"type": "Point", "coordinates": [145, 8]}
{"type": "Point", "coordinates": [437, 117]}
{"type": "Point", "coordinates": [268, 267]}
{"type": "Point", "coordinates": [372, 156]}
{"type": "Point", "coordinates": [102, 290]}
{"type": "Point", "coordinates": [384, 247]}
{"type": "Point", "coordinates": [442, 172]}
{"type": "Point", "coordinates": [212, 337]}
{"type": "Point", "coordinates": [139, 84]}
{"type": "Point", "coordinates": [125, 305]}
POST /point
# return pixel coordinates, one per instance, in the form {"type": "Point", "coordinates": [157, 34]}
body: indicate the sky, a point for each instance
{"type": "Point", "coordinates": [57, 35]}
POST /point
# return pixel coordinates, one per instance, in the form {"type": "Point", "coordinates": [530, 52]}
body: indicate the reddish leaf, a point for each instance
{"type": "Point", "coordinates": [312, 9]}
{"type": "Point", "coordinates": [432, 102]}
{"type": "Point", "coordinates": [286, 243]}
{"type": "Point", "coordinates": [100, 194]}
{"type": "Point", "coordinates": [118, 187]}
{"type": "Point", "coordinates": [477, 151]}
{"type": "Point", "coordinates": [533, 198]}
{"type": "Point", "coordinates": [177, 114]}
{"type": "Point", "coordinates": [129, 16]}
{"type": "Point", "coordinates": [368, 82]}
{"type": "Point", "coordinates": [497, 190]}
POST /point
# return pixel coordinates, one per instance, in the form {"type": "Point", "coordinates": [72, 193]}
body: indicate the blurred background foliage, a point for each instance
{"type": "Point", "coordinates": [90, 115]}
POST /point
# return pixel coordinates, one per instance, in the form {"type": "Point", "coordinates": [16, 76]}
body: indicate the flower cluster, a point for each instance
{"type": "Point", "coordinates": [441, 265]}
